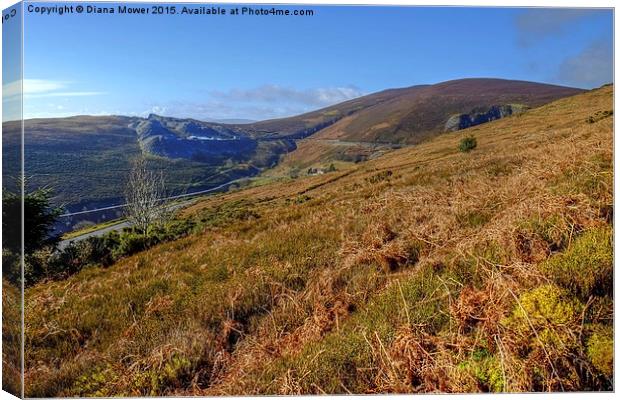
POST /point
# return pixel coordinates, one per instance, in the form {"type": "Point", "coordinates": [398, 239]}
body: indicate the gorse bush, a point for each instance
{"type": "Point", "coordinates": [467, 144]}
{"type": "Point", "coordinates": [101, 251]}
{"type": "Point", "coordinates": [547, 309]}
{"type": "Point", "coordinates": [600, 349]}
{"type": "Point", "coordinates": [586, 268]}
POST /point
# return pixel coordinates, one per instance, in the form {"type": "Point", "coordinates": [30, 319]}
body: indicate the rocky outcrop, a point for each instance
{"type": "Point", "coordinates": [477, 117]}
{"type": "Point", "coordinates": [192, 140]}
{"type": "Point", "coordinates": [206, 142]}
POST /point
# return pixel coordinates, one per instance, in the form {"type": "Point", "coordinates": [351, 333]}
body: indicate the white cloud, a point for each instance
{"type": "Point", "coordinates": [38, 88]}
{"type": "Point", "coordinates": [210, 110]}
{"type": "Point", "coordinates": [318, 97]}
{"type": "Point", "coordinates": [260, 103]}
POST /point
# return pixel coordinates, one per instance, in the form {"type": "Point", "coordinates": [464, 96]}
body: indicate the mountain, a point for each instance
{"type": "Point", "coordinates": [411, 115]}
{"type": "Point", "coordinates": [426, 270]}
{"type": "Point", "coordinates": [416, 113]}
{"type": "Point", "coordinates": [85, 159]}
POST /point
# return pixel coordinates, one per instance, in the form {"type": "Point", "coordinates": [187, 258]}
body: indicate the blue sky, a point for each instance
{"type": "Point", "coordinates": [259, 67]}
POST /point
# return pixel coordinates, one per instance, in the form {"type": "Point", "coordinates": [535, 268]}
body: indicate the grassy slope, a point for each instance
{"type": "Point", "coordinates": [100, 148]}
{"type": "Point", "coordinates": [321, 154]}
{"type": "Point", "coordinates": [285, 127]}
{"type": "Point", "coordinates": [453, 271]}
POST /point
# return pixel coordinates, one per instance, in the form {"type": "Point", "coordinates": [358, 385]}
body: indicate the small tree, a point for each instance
{"type": "Point", "coordinates": [467, 144]}
{"type": "Point", "coordinates": [144, 196]}
{"type": "Point", "coordinates": [39, 219]}
{"type": "Point", "coordinates": [38, 222]}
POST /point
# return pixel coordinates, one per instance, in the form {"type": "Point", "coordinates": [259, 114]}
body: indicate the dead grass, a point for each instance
{"type": "Point", "coordinates": [434, 279]}
{"type": "Point", "coordinates": [11, 338]}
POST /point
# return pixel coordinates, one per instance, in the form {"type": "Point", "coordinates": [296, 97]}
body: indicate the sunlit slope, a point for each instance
{"type": "Point", "coordinates": [412, 116]}
{"type": "Point", "coordinates": [416, 115]}
{"type": "Point", "coordinates": [425, 270]}
{"type": "Point", "coordinates": [408, 115]}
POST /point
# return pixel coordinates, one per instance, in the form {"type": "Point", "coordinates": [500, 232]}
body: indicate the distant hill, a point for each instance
{"type": "Point", "coordinates": [414, 114]}
{"type": "Point", "coordinates": [411, 115]}
{"type": "Point", "coordinates": [304, 125]}
{"type": "Point", "coordinates": [86, 159]}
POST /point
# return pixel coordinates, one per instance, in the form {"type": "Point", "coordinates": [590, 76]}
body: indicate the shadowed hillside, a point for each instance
{"type": "Point", "coordinates": [428, 269]}
{"type": "Point", "coordinates": [86, 159]}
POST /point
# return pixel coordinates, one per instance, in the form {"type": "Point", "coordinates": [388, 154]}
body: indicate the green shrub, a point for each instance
{"type": "Point", "coordinates": [380, 177]}
{"type": "Point", "coordinates": [63, 264]}
{"type": "Point", "coordinates": [131, 243]}
{"type": "Point", "coordinates": [486, 369]}
{"type": "Point", "coordinates": [94, 383]}
{"type": "Point", "coordinates": [586, 267]}
{"type": "Point", "coordinates": [467, 144]}
{"type": "Point", "coordinates": [549, 311]}
{"type": "Point", "coordinates": [101, 251]}
{"type": "Point", "coordinates": [600, 349]}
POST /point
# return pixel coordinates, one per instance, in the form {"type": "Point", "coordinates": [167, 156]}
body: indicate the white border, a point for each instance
{"type": "Point", "coordinates": [484, 3]}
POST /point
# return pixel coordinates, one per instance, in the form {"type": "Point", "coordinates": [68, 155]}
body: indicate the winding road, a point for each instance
{"type": "Point", "coordinates": [125, 224]}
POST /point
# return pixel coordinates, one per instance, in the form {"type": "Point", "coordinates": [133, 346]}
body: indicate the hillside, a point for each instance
{"type": "Point", "coordinates": [409, 115]}
{"type": "Point", "coordinates": [415, 114]}
{"type": "Point", "coordinates": [425, 270]}
{"type": "Point", "coordinates": [86, 159]}
{"type": "Point", "coordinates": [304, 125]}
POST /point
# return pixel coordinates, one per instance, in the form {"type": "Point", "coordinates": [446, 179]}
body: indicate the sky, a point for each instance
{"type": "Point", "coordinates": [215, 67]}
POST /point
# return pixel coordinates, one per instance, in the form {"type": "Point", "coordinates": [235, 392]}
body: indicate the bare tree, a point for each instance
{"type": "Point", "coordinates": [145, 196]}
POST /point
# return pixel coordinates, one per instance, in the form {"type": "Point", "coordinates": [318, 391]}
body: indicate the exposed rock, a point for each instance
{"type": "Point", "coordinates": [189, 139]}
{"type": "Point", "coordinates": [477, 116]}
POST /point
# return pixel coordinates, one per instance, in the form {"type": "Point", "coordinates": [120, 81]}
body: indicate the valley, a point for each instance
{"type": "Point", "coordinates": [85, 159]}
